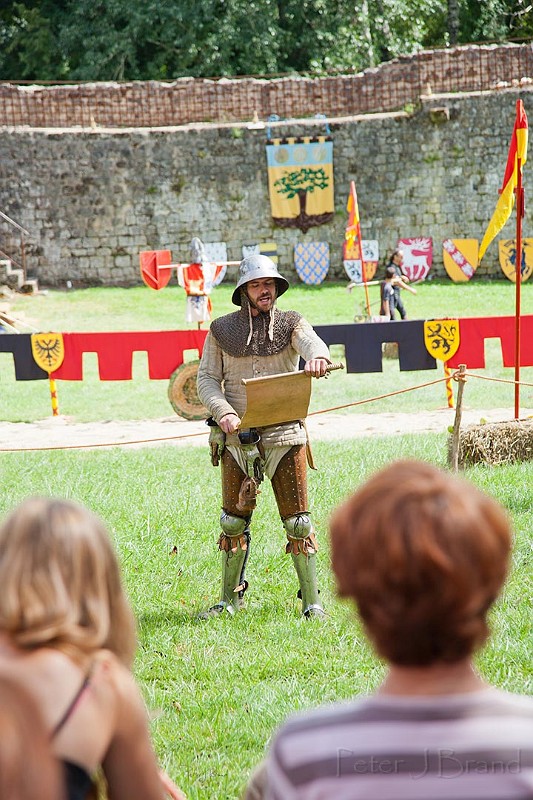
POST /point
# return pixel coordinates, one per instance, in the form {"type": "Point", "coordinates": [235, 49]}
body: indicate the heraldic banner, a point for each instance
{"type": "Point", "coordinates": [300, 181]}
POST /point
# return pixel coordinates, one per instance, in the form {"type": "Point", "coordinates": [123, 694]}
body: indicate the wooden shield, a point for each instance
{"type": "Point", "coordinates": [351, 250]}
{"type": "Point", "coordinates": [276, 399]}
{"type": "Point", "coordinates": [183, 394]}
{"type": "Point", "coordinates": [311, 260]}
{"type": "Point", "coordinates": [354, 270]}
{"type": "Point", "coordinates": [417, 256]}
{"type": "Point", "coordinates": [48, 350]}
{"type": "Point", "coordinates": [150, 261]}
{"type": "Point", "coordinates": [460, 258]}
{"type": "Point", "coordinates": [269, 249]}
{"type": "Point", "coordinates": [353, 266]}
{"type": "Point", "coordinates": [441, 337]}
{"type": "Point", "coordinates": [217, 253]}
{"type": "Point", "coordinates": [507, 252]}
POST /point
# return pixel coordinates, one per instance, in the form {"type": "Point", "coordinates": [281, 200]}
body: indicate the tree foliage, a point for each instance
{"type": "Point", "coordinates": [149, 40]}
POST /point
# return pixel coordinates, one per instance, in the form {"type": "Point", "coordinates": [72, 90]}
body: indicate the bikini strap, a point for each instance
{"type": "Point", "coordinates": [73, 703]}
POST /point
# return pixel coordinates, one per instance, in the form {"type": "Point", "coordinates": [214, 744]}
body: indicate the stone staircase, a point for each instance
{"type": "Point", "coordinates": [13, 277]}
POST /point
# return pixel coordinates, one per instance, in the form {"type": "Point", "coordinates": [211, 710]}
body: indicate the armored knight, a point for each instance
{"type": "Point", "coordinates": [257, 341]}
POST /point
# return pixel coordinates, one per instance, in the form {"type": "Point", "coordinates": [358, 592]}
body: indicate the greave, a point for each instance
{"type": "Point", "coordinates": [233, 568]}
{"type": "Point", "coordinates": [305, 566]}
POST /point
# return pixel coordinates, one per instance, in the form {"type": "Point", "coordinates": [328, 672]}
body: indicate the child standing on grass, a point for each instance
{"type": "Point", "coordinates": [396, 262]}
{"type": "Point", "coordinates": [387, 294]}
{"type": "Point", "coordinates": [67, 636]}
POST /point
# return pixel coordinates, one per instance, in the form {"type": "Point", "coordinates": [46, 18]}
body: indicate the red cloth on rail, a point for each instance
{"type": "Point", "coordinates": [115, 351]}
{"type": "Point", "coordinates": [474, 330]}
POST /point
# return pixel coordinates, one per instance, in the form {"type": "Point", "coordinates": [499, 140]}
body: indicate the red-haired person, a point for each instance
{"type": "Point", "coordinates": [423, 555]}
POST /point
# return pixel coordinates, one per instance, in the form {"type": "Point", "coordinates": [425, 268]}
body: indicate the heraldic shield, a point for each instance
{"type": "Point", "coordinates": [507, 253]}
{"type": "Point", "coordinates": [460, 257]}
{"type": "Point", "coordinates": [441, 337]}
{"type": "Point", "coordinates": [48, 350]}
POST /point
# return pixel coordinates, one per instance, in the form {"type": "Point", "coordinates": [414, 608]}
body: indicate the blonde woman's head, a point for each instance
{"type": "Point", "coordinates": [60, 580]}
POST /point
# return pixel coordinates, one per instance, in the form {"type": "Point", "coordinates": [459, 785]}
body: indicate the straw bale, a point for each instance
{"type": "Point", "coordinates": [496, 443]}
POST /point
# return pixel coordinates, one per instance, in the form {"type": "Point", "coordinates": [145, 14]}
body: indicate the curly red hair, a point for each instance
{"type": "Point", "coordinates": [423, 555]}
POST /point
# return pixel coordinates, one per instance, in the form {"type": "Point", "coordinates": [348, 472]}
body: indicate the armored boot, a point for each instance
{"type": "Point", "coordinates": [234, 560]}
{"type": "Point", "coordinates": [302, 546]}
{"type": "Point", "coordinates": [234, 546]}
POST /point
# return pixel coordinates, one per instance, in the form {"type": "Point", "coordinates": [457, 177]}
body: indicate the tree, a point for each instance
{"type": "Point", "coordinates": [29, 41]}
{"type": "Point", "coordinates": [151, 40]}
{"type": "Point", "coordinates": [298, 183]}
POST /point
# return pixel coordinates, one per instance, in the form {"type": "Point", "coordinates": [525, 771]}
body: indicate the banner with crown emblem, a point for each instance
{"type": "Point", "coordinates": [441, 337]}
{"type": "Point", "coordinates": [48, 350]}
{"type": "Point", "coordinates": [300, 181]}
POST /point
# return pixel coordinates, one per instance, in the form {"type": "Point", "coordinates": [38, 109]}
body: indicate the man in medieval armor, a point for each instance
{"type": "Point", "coordinates": [257, 341]}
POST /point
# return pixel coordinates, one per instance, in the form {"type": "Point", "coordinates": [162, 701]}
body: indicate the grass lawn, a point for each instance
{"type": "Point", "coordinates": [217, 690]}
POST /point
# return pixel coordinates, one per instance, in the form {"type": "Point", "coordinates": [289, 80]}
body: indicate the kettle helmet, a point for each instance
{"type": "Point", "coordinates": [197, 251]}
{"type": "Point", "coordinates": [253, 268]}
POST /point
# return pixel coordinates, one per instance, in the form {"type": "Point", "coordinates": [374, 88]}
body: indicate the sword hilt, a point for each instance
{"type": "Point", "coordinates": [332, 367]}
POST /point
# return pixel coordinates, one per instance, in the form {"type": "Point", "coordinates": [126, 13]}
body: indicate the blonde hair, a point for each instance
{"type": "Point", "coordinates": [61, 584]}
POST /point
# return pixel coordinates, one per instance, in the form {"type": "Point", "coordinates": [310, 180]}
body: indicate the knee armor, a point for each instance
{"type": "Point", "coordinates": [300, 533]}
{"type": "Point", "coordinates": [234, 543]}
{"type": "Point", "coordinates": [232, 525]}
{"type": "Point", "coordinates": [298, 526]}
{"type": "Point", "coordinates": [302, 546]}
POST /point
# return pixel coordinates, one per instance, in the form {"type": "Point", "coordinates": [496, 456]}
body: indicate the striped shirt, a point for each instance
{"type": "Point", "coordinates": [475, 746]}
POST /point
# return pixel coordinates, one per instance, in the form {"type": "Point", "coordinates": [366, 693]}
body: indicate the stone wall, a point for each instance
{"type": "Point", "coordinates": [91, 200]}
{"type": "Point", "coordinates": [390, 86]}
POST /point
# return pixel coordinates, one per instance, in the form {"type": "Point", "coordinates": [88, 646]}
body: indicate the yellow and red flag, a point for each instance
{"type": "Point", "coordinates": [504, 207]}
{"type": "Point", "coordinates": [353, 227]}
{"type": "Point", "coordinates": [353, 243]}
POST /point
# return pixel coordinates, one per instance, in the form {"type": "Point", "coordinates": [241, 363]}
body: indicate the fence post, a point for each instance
{"type": "Point", "coordinates": [454, 452]}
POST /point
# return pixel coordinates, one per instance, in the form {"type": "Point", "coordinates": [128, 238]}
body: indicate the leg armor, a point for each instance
{"type": "Point", "coordinates": [290, 488]}
{"type": "Point", "coordinates": [234, 542]}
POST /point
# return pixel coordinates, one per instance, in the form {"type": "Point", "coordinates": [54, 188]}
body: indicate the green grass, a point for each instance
{"type": "Point", "coordinates": [138, 309]}
{"type": "Point", "coordinates": [218, 689]}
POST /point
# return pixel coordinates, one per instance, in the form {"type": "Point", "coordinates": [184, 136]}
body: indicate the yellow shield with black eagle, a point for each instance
{"type": "Point", "coordinates": [441, 337]}
{"type": "Point", "coordinates": [48, 350]}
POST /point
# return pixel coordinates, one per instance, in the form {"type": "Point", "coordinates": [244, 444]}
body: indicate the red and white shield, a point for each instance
{"type": "Point", "coordinates": [417, 257]}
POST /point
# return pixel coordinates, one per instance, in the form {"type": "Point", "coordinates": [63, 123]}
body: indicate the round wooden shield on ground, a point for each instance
{"type": "Point", "coordinates": [182, 392]}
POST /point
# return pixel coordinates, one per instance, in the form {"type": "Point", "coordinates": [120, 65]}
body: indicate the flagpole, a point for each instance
{"type": "Point", "coordinates": [363, 271]}
{"type": "Point", "coordinates": [353, 234]}
{"type": "Point", "coordinates": [511, 189]}
{"type": "Point", "coordinates": [518, 268]}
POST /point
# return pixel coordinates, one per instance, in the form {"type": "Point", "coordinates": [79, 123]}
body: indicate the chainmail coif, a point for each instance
{"type": "Point", "coordinates": [232, 331]}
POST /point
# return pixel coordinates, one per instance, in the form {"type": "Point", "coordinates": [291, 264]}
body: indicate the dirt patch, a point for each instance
{"type": "Point", "coordinates": [61, 432]}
